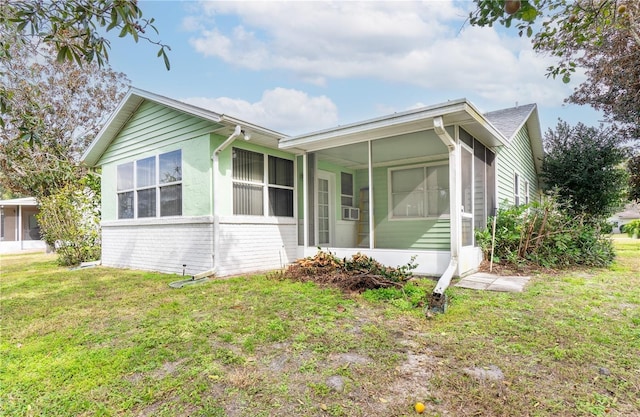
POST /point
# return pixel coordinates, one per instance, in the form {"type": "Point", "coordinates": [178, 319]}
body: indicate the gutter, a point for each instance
{"type": "Point", "coordinates": [437, 301]}
{"type": "Point", "coordinates": [216, 216]}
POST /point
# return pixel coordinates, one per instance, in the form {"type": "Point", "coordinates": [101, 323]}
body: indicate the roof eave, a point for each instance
{"type": "Point", "coordinates": [127, 107]}
{"type": "Point", "coordinates": [535, 138]}
{"type": "Point", "coordinates": [453, 112]}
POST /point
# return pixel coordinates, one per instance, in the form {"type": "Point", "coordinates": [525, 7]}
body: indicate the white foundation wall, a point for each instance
{"type": "Point", "coordinates": [470, 259]}
{"type": "Point", "coordinates": [25, 245]}
{"type": "Point", "coordinates": [429, 263]}
{"type": "Point", "coordinates": [162, 245]}
{"type": "Point", "coordinates": [252, 244]}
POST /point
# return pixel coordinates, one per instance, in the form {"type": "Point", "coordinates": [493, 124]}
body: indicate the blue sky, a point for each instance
{"type": "Point", "coordinates": [300, 66]}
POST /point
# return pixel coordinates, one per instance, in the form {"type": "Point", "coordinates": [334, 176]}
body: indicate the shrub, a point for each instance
{"type": "Point", "coordinates": [633, 228]}
{"type": "Point", "coordinates": [546, 235]}
{"type": "Point", "coordinates": [70, 221]}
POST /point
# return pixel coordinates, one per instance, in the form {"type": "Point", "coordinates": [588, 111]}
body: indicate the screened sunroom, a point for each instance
{"type": "Point", "coordinates": [410, 185]}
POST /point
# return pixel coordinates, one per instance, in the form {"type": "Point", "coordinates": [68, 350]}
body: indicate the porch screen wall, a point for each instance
{"type": "Point", "coordinates": [311, 180]}
{"type": "Point", "coordinates": [478, 186]}
{"type": "Point", "coordinates": [467, 196]}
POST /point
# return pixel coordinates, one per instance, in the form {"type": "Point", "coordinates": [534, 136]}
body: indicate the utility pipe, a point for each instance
{"type": "Point", "coordinates": [216, 217]}
{"type": "Point", "coordinates": [437, 297]}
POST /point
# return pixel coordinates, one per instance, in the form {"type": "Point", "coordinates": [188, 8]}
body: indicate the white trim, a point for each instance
{"type": "Point", "coordinates": [25, 201]}
{"type": "Point", "coordinates": [156, 186]}
{"type": "Point", "coordinates": [456, 112]}
{"type": "Point", "coordinates": [198, 220]}
{"type": "Point", "coordinates": [351, 196]}
{"type": "Point", "coordinates": [156, 221]}
{"type": "Point", "coordinates": [372, 229]}
{"type": "Point", "coordinates": [257, 219]}
{"type": "Point", "coordinates": [305, 199]}
{"type": "Point", "coordinates": [516, 188]}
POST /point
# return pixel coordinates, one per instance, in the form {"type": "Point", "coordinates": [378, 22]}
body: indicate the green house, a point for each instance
{"type": "Point", "coordinates": [188, 189]}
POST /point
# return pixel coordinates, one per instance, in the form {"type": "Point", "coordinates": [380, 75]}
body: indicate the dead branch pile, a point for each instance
{"type": "Point", "coordinates": [357, 274]}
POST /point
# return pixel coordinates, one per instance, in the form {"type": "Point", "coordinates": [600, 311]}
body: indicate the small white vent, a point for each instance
{"type": "Point", "coordinates": [350, 213]}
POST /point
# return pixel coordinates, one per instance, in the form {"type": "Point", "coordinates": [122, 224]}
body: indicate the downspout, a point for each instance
{"type": "Point", "coordinates": [216, 217]}
{"type": "Point", "coordinates": [437, 300]}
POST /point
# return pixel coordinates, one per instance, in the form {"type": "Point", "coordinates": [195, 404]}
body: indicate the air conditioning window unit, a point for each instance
{"type": "Point", "coordinates": [350, 213]}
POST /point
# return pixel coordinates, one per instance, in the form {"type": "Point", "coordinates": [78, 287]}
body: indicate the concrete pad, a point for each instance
{"type": "Point", "coordinates": [491, 282]}
{"type": "Point", "coordinates": [473, 284]}
{"type": "Point", "coordinates": [480, 278]}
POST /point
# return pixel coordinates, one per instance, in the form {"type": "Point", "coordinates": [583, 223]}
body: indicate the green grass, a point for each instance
{"type": "Point", "coordinates": [569, 345]}
{"type": "Point", "coordinates": [108, 342]}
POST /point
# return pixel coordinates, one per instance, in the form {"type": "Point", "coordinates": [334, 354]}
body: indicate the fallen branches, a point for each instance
{"type": "Point", "coordinates": [357, 274]}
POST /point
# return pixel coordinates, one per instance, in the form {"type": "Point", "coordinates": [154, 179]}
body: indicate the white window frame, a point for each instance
{"type": "Point", "coordinates": [266, 185]}
{"type": "Point", "coordinates": [351, 197]}
{"type": "Point", "coordinates": [132, 190]}
{"type": "Point", "coordinates": [157, 186]}
{"type": "Point", "coordinates": [425, 191]}
{"type": "Point", "coordinates": [526, 192]}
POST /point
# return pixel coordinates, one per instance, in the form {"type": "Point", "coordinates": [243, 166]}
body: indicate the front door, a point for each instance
{"type": "Point", "coordinates": [324, 212]}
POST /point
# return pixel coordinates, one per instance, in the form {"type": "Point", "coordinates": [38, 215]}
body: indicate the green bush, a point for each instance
{"type": "Point", "coordinates": [546, 235]}
{"type": "Point", "coordinates": [70, 221]}
{"type": "Point", "coordinates": [633, 228]}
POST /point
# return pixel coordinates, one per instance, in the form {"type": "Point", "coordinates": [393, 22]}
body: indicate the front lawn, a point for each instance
{"type": "Point", "coordinates": [108, 342]}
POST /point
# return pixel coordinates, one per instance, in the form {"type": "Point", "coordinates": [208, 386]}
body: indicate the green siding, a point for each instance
{"type": "Point", "coordinates": [427, 234]}
{"type": "Point", "coordinates": [516, 157]}
{"type": "Point", "coordinates": [155, 129]}
{"type": "Point", "coordinates": [154, 126]}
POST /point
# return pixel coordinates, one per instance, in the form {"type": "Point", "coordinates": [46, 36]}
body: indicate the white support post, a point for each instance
{"type": "Point", "coordinates": [19, 227]}
{"type": "Point", "coordinates": [305, 198]}
{"type": "Point", "coordinates": [371, 208]}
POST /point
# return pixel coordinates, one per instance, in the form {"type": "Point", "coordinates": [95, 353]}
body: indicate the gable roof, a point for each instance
{"type": "Point", "coordinates": [509, 121]}
{"type": "Point", "coordinates": [135, 97]}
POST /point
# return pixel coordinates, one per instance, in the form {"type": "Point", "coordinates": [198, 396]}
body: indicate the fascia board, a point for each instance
{"type": "Point", "coordinates": [127, 107]}
{"type": "Point", "coordinates": [405, 122]}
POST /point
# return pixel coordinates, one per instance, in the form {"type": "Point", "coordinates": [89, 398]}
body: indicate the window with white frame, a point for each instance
{"type": "Point", "coordinates": [526, 192]}
{"type": "Point", "coordinates": [251, 184]}
{"type": "Point", "coordinates": [347, 199]}
{"type": "Point", "coordinates": [150, 186]}
{"type": "Point", "coordinates": [419, 191]}
{"type": "Point", "coordinates": [346, 189]}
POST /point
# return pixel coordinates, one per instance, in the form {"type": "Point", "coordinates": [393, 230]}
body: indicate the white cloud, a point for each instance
{"type": "Point", "coordinates": [417, 43]}
{"type": "Point", "coordinates": [285, 110]}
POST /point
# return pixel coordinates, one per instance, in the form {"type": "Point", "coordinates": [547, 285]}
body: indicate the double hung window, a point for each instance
{"type": "Point", "coordinates": [150, 187]}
